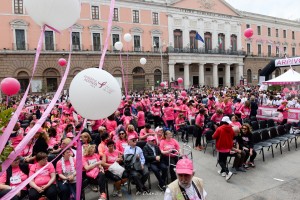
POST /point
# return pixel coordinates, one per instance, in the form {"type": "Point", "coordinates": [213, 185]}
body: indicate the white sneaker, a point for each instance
{"type": "Point", "coordinates": [223, 173]}
{"type": "Point", "coordinates": [115, 193]}
{"type": "Point", "coordinates": [138, 193]}
{"type": "Point", "coordinates": [228, 176]}
{"type": "Point", "coordinates": [119, 193]}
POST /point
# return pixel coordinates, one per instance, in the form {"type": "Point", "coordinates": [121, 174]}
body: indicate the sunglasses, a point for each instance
{"type": "Point", "coordinates": [134, 140]}
{"type": "Point", "coordinates": [122, 133]}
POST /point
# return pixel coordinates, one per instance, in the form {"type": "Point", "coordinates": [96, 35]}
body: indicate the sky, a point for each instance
{"type": "Point", "coordinates": [287, 9]}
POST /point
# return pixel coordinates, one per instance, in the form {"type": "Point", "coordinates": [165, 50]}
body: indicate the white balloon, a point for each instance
{"type": "Point", "coordinates": [127, 37]}
{"type": "Point", "coordinates": [143, 61]}
{"type": "Point", "coordinates": [59, 14]}
{"type": "Point", "coordinates": [119, 45]}
{"type": "Point", "coordinates": [95, 93]}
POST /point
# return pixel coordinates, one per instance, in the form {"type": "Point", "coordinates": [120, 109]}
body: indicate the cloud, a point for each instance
{"type": "Point", "coordinates": [287, 9]}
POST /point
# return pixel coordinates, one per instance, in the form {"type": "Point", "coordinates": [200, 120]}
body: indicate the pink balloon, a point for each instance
{"type": "Point", "coordinates": [10, 86]}
{"type": "Point", "coordinates": [62, 62]}
{"type": "Point", "coordinates": [183, 93]}
{"type": "Point", "coordinates": [180, 80]}
{"type": "Point", "coordinates": [162, 84]}
{"type": "Point", "coordinates": [248, 33]}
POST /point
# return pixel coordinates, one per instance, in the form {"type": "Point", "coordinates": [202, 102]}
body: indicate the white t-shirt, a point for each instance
{"type": "Point", "coordinates": [190, 191]}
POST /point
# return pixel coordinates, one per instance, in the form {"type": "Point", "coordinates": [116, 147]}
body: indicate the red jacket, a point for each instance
{"type": "Point", "coordinates": [224, 138]}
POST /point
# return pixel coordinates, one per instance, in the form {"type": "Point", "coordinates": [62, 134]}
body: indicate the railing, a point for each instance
{"type": "Point", "coordinates": [205, 51]}
{"type": "Point", "coordinates": [76, 47]}
{"type": "Point", "coordinates": [96, 47]}
{"type": "Point", "coordinates": [137, 49]}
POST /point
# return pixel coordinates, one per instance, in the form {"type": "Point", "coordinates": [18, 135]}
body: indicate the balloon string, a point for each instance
{"type": "Point", "coordinates": [16, 115]}
{"type": "Point", "coordinates": [124, 81]}
{"type": "Point", "coordinates": [112, 6]}
{"type": "Point", "coordinates": [127, 68]}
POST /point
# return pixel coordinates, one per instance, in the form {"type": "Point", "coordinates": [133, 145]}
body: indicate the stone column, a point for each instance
{"type": "Point", "coordinates": [201, 74]}
{"type": "Point", "coordinates": [186, 76]}
{"type": "Point", "coordinates": [240, 72]}
{"type": "Point", "coordinates": [171, 71]}
{"type": "Point", "coordinates": [215, 75]}
{"type": "Point", "coordinates": [227, 74]}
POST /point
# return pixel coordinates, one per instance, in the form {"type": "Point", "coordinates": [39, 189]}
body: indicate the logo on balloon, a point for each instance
{"type": "Point", "coordinates": [94, 83]}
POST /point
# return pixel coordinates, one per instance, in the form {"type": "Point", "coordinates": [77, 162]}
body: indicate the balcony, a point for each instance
{"type": "Point", "coordinates": [205, 51]}
{"type": "Point", "coordinates": [76, 47]}
{"type": "Point", "coordinates": [137, 49]}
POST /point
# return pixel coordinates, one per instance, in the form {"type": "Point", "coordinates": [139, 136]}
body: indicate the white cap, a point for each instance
{"type": "Point", "coordinates": [226, 119]}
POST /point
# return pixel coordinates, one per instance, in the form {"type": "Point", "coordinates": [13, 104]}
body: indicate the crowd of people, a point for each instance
{"type": "Point", "coordinates": [137, 138]}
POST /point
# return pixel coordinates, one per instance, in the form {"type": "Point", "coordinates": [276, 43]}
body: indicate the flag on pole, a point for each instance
{"type": "Point", "coordinates": [220, 42]}
{"type": "Point", "coordinates": [198, 37]}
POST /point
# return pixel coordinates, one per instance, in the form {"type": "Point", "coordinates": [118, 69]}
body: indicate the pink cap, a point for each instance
{"type": "Point", "coordinates": [184, 166]}
{"type": "Point", "coordinates": [150, 138]}
{"type": "Point", "coordinates": [70, 134]}
{"type": "Point", "coordinates": [132, 137]}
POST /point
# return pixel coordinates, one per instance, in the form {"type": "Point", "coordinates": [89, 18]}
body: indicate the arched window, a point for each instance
{"type": "Point", "coordinates": [178, 39]}
{"type": "Point", "coordinates": [157, 77]}
{"type": "Point", "coordinates": [258, 73]}
{"type": "Point", "coordinates": [208, 41]}
{"type": "Point", "coordinates": [249, 76]}
{"type": "Point", "coordinates": [138, 74]}
{"type": "Point", "coordinates": [51, 76]}
{"type": "Point", "coordinates": [23, 78]}
{"type": "Point", "coordinates": [233, 42]}
{"type": "Point", "coordinates": [193, 41]}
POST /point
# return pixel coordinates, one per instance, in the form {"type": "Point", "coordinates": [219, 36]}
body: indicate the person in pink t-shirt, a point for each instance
{"type": "Point", "coordinates": [16, 135]}
{"type": "Point", "coordinates": [140, 118]}
{"type": "Point", "coordinates": [145, 132]}
{"type": "Point", "coordinates": [122, 141]}
{"type": "Point", "coordinates": [169, 148]}
{"type": "Point", "coordinates": [110, 157]}
{"type": "Point", "coordinates": [245, 110]}
{"type": "Point", "coordinates": [169, 115]}
{"type": "Point", "coordinates": [235, 121]}
{"type": "Point", "coordinates": [284, 110]}
{"type": "Point", "coordinates": [44, 183]}
{"type": "Point", "coordinates": [131, 131]}
{"type": "Point", "coordinates": [199, 127]}
{"type": "Point", "coordinates": [217, 117]}
{"type": "Point", "coordinates": [180, 125]}
{"type": "Point", "coordinates": [228, 106]}
{"type": "Point", "coordinates": [17, 173]}
{"type": "Point", "coordinates": [66, 170]}
{"type": "Point", "coordinates": [110, 123]}
{"type": "Point", "coordinates": [156, 112]}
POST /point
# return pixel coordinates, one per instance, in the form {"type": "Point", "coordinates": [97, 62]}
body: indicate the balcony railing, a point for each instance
{"type": "Point", "coordinates": [20, 46]}
{"type": "Point", "coordinates": [137, 49]}
{"type": "Point", "coordinates": [76, 47]}
{"type": "Point", "coordinates": [205, 51]}
{"type": "Point", "coordinates": [96, 47]}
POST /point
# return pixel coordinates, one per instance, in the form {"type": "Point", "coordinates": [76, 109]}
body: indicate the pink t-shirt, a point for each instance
{"type": "Point", "coordinates": [111, 157]}
{"type": "Point", "coordinates": [237, 124]}
{"type": "Point", "coordinates": [143, 133]}
{"type": "Point", "coordinates": [216, 118]}
{"type": "Point", "coordinates": [245, 111]}
{"type": "Point", "coordinates": [168, 145]}
{"type": "Point", "coordinates": [200, 120]}
{"type": "Point", "coordinates": [68, 171]}
{"type": "Point", "coordinates": [134, 133]}
{"type": "Point", "coordinates": [156, 111]}
{"type": "Point", "coordinates": [141, 119]}
{"type": "Point", "coordinates": [89, 160]}
{"type": "Point", "coordinates": [110, 125]}
{"type": "Point", "coordinates": [285, 111]}
{"type": "Point", "coordinates": [120, 145]}
{"type": "Point", "coordinates": [27, 150]}
{"type": "Point", "coordinates": [44, 177]}
{"type": "Point", "coordinates": [169, 113]}
{"type": "Point", "coordinates": [178, 121]}
{"type": "Point", "coordinates": [52, 142]}
{"type": "Point", "coordinates": [228, 109]}
{"type": "Point", "coordinates": [17, 177]}
{"type": "Point", "coordinates": [16, 140]}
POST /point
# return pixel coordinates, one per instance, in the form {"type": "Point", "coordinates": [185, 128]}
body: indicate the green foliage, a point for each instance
{"type": "Point", "coordinates": [5, 116]}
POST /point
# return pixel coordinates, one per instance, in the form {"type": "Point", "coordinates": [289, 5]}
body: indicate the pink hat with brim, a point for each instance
{"type": "Point", "coordinates": [132, 137]}
{"type": "Point", "coordinates": [184, 166]}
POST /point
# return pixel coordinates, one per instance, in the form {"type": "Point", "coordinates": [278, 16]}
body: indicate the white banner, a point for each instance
{"type": "Point", "coordinates": [287, 62]}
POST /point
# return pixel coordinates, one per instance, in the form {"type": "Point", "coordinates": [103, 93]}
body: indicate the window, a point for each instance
{"type": "Point", "coordinates": [258, 30]}
{"type": "Point", "coordinates": [284, 50]}
{"type": "Point", "coordinates": [208, 41]}
{"type": "Point", "coordinates": [221, 41]}
{"type": "Point", "coordinates": [137, 42]}
{"type": "Point", "coordinates": [277, 33]}
{"type": "Point", "coordinates": [18, 6]}
{"type": "Point", "coordinates": [249, 76]}
{"type": "Point", "coordinates": [116, 14]}
{"type": "Point", "coordinates": [207, 69]}
{"type": "Point", "coordinates": [115, 38]}
{"type": "Point", "coordinates": [136, 17]}
{"type": "Point", "coordinates": [284, 33]}
{"type": "Point", "coordinates": [95, 12]}
{"type": "Point", "coordinates": [247, 25]}
{"type": "Point", "coordinates": [233, 42]}
{"type": "Point", "coordinates": [269, 50]}
{"type": "Point", "coordinates": [20, 39]}
{"type": "Point", "coordinates": [248, 48]}
{"type": "Point", "coordinates": [269, 32]}
{"type": "Point", "coordinates": [259, 49]}
{"type": "Point", "coordinates": [51, 84]}
{"type": "Point", "coordinates": [293, 51]}
{"type": "Point", "coordinates": [193, 41]}
{"type": "Point", "coordinates": [156, 43]}
{"type": "Point", "coordinates": [277, 51]}
{"type": "Point", "coordinates": [293, 35]}
{"type": "Point", "coordinates": [178, 39]}
{"type": "Point", "coordinates": [96, 42]}
{"type": "Point", "coordinates": [155, 18]}
{"type": "Point", "coordinates": [76, 41]}
{"type": "Point", "coordinates": [49, 42]}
